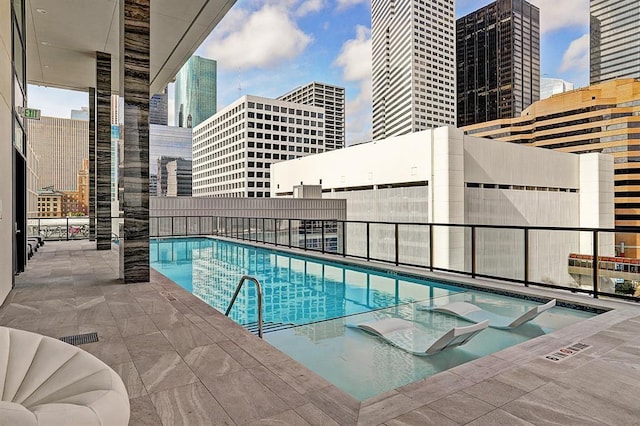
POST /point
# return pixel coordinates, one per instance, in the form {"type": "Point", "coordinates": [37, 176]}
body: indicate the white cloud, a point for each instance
{"type": "Point", "coordinates": [558, 14]}
{"type": "Point", "coordinates": [344, 4]}
{"type": "Point", "coordinates": [577, 55]}
{"type": "Point", "coordinates": [264, 38]}
{"type": "Point", "coordinates": [309, 6]}
{"type": "Point", "coordinates": [355, 56]}
{"type": "Point", "coordinates": [355, 60]}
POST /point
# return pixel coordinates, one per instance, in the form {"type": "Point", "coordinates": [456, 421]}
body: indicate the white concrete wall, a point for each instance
{"type": "Point", "coordinates": [6, 153]}
{"type": "Point", "coordinates": [470, 180]}
{"type": "Point", "coordinates": [394, 160]}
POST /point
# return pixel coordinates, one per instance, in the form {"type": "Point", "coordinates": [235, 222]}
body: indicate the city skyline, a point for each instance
{"type": "Point", "coordinates": [336, 35]}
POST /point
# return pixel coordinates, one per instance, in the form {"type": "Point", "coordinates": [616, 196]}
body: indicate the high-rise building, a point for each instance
{"type": "Point", "coordinates": [195, 92]}
{"type": "Point", "coordinates": [599, 118]}
{"type": "Point", "coordinates": [179, 181]}
{"type": "Point", "coordinates": [498, 61]}
{"type": "Point", "coordinates": [159, 108]}
{"type": "Point", "coordinates": [615, 40]}
{"type": "Point", "coordinates": [553, 86]}
{"type": "Point", "coordinates": [61, 144]}
{"type": "Point", "coordinates": [326, 96]}
{"type": "Point", "coordinates": [233, 150]}
{"type": "Point", "coordinates": [171, 143]}
{"type": "Point", "coordinates": [414, 72]}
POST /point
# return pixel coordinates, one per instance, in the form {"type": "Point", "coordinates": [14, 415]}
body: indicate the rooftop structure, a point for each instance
{"type": "Point", "coordinates": [414, 72]}
{"type": "Point", "coordinates": [233, 151]}
{"type": "Point", "coordinates": [498, 61]}
{"type": "Point", "coordinates": [443, 176]}
{"type": "Point", "coordinates": [159, 108]}
{"type": "Point", "coordinates": [599, 118]}
{"type": "Point", "coordinates": [553, 86]}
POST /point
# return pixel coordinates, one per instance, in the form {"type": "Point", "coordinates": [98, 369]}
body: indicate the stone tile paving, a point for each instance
{"type": "Point", "coordinates": [184, 363]}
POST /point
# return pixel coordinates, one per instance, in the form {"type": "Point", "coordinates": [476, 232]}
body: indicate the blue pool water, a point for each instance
{"type": "Point", "coordinates": [313, 300]}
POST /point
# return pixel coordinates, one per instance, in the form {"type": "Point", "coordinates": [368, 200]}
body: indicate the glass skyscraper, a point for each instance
{"type": "Point", "coordinates": [498, 61]}
{"type": "Point", "coordinates": [195, 92]}
{"type": "Point", "coordinates": [615, 40]}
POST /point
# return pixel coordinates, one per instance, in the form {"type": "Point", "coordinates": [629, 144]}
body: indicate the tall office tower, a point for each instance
{"type": "Point", "coordinates": [615, 40]}
{"type": "Point", "coordinates": [233, 150]}
{"type": "Point", "coordinates": [61, 145]}
{"type": "Point", "coordinates": [159, 108]}
{"type": "Point", "coordinates": [195, 91]}
{"type": "Point", "coordinates": [414, 72]}
{"type": "Point", "coordinates": [326, 96]}
{"type": "Point", "coordinates": [498, 61]}
{"type": "Point", "coordinates": [179, 179]}
{"type": "Point", "coordinates": [553, 86]}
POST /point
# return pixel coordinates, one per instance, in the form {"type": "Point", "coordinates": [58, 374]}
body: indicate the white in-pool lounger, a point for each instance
{"type": "Point", "coordinates": [406, 336]}
{"type": "Point", "coordinates": [472, 313]}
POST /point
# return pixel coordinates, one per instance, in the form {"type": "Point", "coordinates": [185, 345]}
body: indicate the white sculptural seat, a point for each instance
{"type": "Point", "coordinates": [44, 381]}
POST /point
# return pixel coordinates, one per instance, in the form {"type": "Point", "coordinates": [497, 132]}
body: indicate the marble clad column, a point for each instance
{"type": "Point", "coordinates": [92, 164]}
{"type": "Point", "coordinates": [134, 75]}
{"type": "Point", "coordinates": [103, 151]}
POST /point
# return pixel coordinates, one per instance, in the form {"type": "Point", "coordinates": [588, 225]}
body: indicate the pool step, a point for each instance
{"type": "Point", "coordinates": [267, 326]}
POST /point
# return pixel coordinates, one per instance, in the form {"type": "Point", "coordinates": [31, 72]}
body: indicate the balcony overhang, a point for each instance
{"type": "Point", "coordinates": [63, 36]}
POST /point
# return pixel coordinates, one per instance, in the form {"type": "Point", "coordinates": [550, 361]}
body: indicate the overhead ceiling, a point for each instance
{"type": "Point", "coordinates": [63, 36]}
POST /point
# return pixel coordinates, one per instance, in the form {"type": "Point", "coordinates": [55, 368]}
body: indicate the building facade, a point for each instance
{"type": "Point", "coordinates": [166, 141]}
{"type": "Point", "coordinates": [498, 61]}
{"type": "Point", "coordinates": [615, 40]}
{"type": "Point", "coordinates": [600, 118]}
{"type": "Point", "coordinates": [329, 97]}
{"type": "Point", "coordinates": [444, 176]}
{"type": "Point", "coordinates": [195, 92]}
{"type": "Point", "coordinates": [553, 86]}
{"type": "Point", "coordinates": [50, 203]}
{"type": "Point", "coordinates": [61, 145]}
{"type": "Point", "coordinates": [159, 108]}
{"type": "Point", "coordinates": [413, 65]}
{"type": "Point", "coordinates": [234, 150]}
{"type": "Point", "coordinates": [179, 182]}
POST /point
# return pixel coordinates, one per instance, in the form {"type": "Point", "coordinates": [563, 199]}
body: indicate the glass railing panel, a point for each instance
{"type": "Point", "coordinates": [550, 261]}
{"type": "Point", "coordinates": [382, 242]}
{"type": "Point", "coordinates": [413, 245]}
{"type": "Point", "coordinates": [356, 239]}
{"type": "Point", "coordinates": [452, 248]}
{"type": "Point", "coordinates": [500, 253]}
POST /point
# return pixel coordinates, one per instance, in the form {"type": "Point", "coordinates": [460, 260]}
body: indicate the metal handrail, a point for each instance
{"type": "Point", "coordinates": [235, 295]}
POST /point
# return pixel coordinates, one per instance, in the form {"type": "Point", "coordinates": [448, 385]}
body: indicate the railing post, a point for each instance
{"type": "Point", "coordinates": [526, 257]}
{"type": "Point", "coordinates": [67, 228]}
{"type": "Point", "coordinates": [275, 232]}
{"type": "Point", "coordinates": [397, 244]}
{"type": "Point", "coordinates": [431, 247]}
{"type": "Point", "coordinates": [344, 238]}
{"type": "Point", "coordinates": [304, 227]}
{"type": "Point", "coordinates": [473, 251]}
{"type": "Point", "coordinates": [172, 225]}
{"type": "Point", "coordinates": [289, 233]}
{"type": "Point", "coordinates": [595, 264]}
{"type": "Point", "coordinates": [263, 230]}
{"type": "Point", "coordinates": [368, 252]}
{"type": "Point", "coordinates": [322, 241]}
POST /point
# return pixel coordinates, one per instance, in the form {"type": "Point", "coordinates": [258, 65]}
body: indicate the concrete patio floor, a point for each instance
{"type": "Point", "coordinates": [184, 363]}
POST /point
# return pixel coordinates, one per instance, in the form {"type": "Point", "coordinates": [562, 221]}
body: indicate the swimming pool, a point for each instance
{"type": "Point", "coordinates": [307, 303]}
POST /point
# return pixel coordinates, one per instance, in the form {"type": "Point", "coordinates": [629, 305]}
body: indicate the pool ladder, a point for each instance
{"type": "Point", "coordinates": [235, 295]}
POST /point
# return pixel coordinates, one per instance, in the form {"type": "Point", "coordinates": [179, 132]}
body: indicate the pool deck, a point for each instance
{"type": "Point", "coordinates": [183, 362]}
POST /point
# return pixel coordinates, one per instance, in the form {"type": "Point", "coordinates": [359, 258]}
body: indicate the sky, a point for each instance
{"type": "Point", "coordinates": [269, 47]}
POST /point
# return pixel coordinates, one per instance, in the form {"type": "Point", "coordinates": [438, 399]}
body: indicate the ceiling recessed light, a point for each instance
{"type": "Point", "coordinates": [45, 43]}
{"type": "Point", "coordinates": [46, 66]}
{"type": "Point", "coordinates": [44, 12]}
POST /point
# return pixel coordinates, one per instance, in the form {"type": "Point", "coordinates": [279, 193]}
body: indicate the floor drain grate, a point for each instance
{"type": "Point", "coordinates": [81, 339]}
